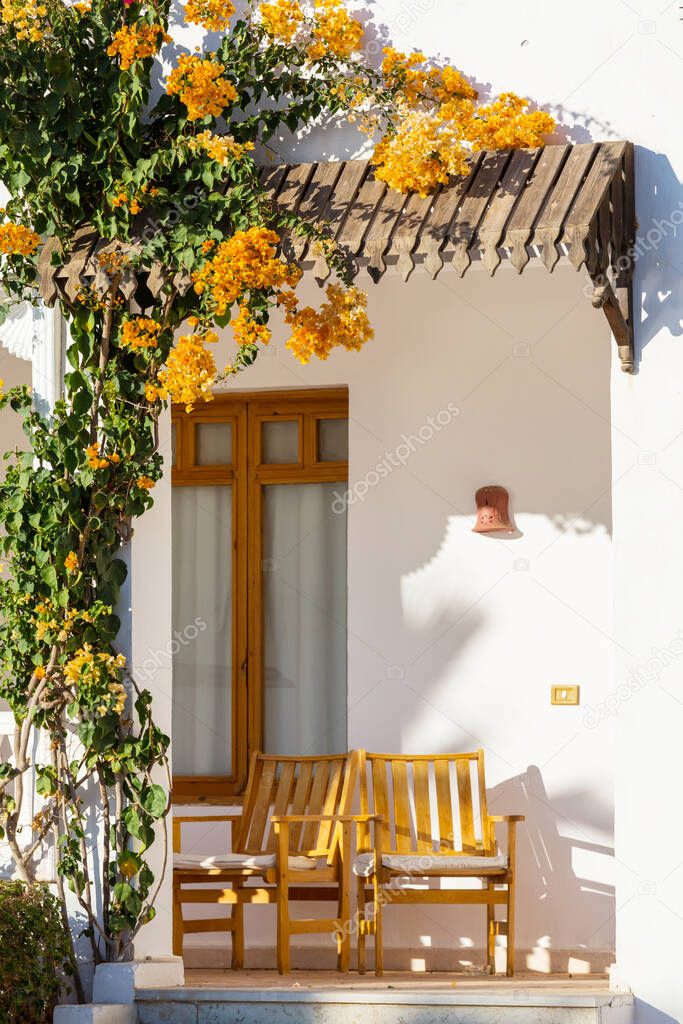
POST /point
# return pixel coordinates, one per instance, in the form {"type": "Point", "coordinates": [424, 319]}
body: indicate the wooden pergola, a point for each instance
{"type": "Point", "coordinates": [548, 205]}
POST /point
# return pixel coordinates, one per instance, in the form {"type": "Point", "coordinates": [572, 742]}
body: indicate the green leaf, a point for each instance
{"type": "Point", "coordinates": [155, 801]}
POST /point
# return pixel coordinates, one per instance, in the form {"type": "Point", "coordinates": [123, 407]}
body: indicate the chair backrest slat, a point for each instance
{"type": "Point", "coordinates": [331, 802]}
{"type": "Point", "coordinates": [296, 785]}
{"type": "Point", "coordinates": [262, 805]}
{"type": "Point", "coordinates": [309, 832]}
{"type": "Point", "coordinates": [281, 799]}
{"type": "Point", "coordinates": [302, 788]}
{"type": "Point", "coordinates": [381, 798]}
{"type": "Point", "coordinates": [428, 804]}
{"type": "Point", "coordinates": [423, 816]}
{"type": "Point", "coordinates": [443, 797]}
{"type": "Point", "coordinates": [401, 806]}
{"type": "Point", "coordinates": [462, 769]}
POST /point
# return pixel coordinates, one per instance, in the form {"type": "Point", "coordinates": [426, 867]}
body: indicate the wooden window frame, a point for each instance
{"type": "Point", "coordinates": [248, 475]}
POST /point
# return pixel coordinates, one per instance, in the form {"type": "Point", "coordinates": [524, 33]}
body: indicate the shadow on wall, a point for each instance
{"type": "Point", "coordinates": [658, 248]}
{"type": "Point", "coordinates": [547, 877]}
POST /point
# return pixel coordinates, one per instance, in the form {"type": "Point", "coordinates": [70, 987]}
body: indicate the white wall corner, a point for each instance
{"type": "Point", "coordinates": [118, 983]}
{"type": "Point", "coordinates": [94, 1013]}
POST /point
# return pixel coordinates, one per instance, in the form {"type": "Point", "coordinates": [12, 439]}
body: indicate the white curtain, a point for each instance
{"type": "Point", "coordinates": [304, 590]}
{"type": "Point", "coordinates": [202, 630]}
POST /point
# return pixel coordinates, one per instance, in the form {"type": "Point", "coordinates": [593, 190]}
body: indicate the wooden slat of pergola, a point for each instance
{"type": "Point", "coordinates": [521, 206]}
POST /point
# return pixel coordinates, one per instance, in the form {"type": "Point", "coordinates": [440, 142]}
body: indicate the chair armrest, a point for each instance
{"type": "Point", "coordinates": [281, 819]}
{"type": "Point", "coordinates": [506, 817]}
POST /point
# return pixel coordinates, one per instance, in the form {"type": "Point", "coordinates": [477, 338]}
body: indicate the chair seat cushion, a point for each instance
{"type": "Point", "coordinates": [425, 864]}
{"type": "Point", "coordinates": [236, 862]}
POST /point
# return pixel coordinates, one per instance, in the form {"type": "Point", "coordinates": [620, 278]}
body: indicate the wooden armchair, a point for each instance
{"type": "Point", "coordinates": [293, 840]}
{"type": "Point", "coordinates": [432, 823]}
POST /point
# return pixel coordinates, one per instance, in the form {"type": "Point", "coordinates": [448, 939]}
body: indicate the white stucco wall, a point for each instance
{"type": "Point", "coordinates": [455, 639]}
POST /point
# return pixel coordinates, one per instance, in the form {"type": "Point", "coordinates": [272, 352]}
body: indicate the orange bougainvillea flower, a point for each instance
{"type": "Point", "coordinates": [335, 33]}
{"type": "Point", "coordinates": [341, 321]}
{"type": "Point", "coordinates": [212, 14]}
{"type": "Point", "coordinates": [137, 42]}
{"type": "Point", "coordinates": [140, 332]}
{"type": "Point", "coordinates": [281, 19]}
{"type": "Point", "coordinates": [17, 240]}
{"type": "Point", "coordinates": [247, 261]}
{"type": "Point", "coordinates": [200, 86]}
{"type": "Point", "coordinates": [190, 370]}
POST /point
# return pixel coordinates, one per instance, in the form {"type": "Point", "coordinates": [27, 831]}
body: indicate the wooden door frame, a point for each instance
{"type": "Point", "coordinates": [248, 475]}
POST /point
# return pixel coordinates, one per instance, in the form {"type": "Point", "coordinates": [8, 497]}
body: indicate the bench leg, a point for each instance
{"type": "Point", "coordinates": [344, 935]}
{"type": "Point", "coordinates": [362, 923]}
{"type": "Point", "coordinates": [510, 970]}
{"type": "Point", "coordinates": [377, 928]}
{"type": "Point", "coordinates": [177, 921]}
{"type": "Point", "coordinates": [237, 957]}
{"type": "Point", "coordinates": [490, 933]}
{"type": "Point", "coordinates": [283, 929]}
{"type": "Point", "coordinates": [344, 901]}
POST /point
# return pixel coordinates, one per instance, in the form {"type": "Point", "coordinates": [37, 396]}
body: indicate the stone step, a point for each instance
{"type": "Point", "coordinates": [335, 1006]}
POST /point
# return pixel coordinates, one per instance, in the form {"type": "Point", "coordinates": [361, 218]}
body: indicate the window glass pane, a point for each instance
{"type": "Point", "coordinates": [333, 440]}
{"type": "Point", "coordinates": [304, 611]}
{"type": "Point", "coordinates": [202, 630]}
{"type": "Point", "coordinates": [174, 443]}
{"type": "Point", "coordinates": [280, 441]}
{"type": "Point", "coordinates": [213, 444]}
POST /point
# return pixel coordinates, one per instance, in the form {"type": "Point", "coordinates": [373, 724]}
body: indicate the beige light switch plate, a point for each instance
{"type": "Point", "coordinates": [564, 695]}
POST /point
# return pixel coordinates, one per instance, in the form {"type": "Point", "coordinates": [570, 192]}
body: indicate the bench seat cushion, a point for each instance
{"type": "Point", "coordinates": [236, 862]}
{"type": "Point", "coordinates": [424, 864]}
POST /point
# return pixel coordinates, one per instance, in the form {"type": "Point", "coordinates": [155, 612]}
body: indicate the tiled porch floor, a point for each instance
{"type": "Point", "coordinates": [401, 981]}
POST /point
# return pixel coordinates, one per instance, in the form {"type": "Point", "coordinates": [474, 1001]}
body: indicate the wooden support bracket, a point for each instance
{"type": "Point", "coordinates": [618, 318]}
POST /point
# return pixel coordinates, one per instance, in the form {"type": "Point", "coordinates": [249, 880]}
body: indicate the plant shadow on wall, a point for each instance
{"type": "Point", "coordinates": [658, 250]}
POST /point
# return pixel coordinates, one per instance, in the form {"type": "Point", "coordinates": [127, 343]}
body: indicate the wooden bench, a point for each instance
{"type": "Point", "coordinates": [292, 841]}
{"type": "Point", "coordinates": [433, 823]}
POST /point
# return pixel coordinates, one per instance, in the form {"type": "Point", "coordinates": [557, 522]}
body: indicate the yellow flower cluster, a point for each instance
{"type": "Point", "coordinates": [281, 19]}
{"type": "Point", "coordinates": [71, 562]}
{"type": "Point", "coordinates": [83, 6]}
{"type": "Point", "coordinates": [247, 331]}
{"type": "Point", "coordinates": [18, 240]}
{"type": "Point", "coordinates": [90, 670]}
{"type": "Point", "coordinates": [133, 199]}
{"type": "Point", "coordinates": [212, 14]}
{"type": "Point", "coordinates": [145, 482]}
{"type": "Point", "coordinates": [27, 18]}
{"type": "Point", "coordinates": [140, 332]}
{"type": "Point", "coordinates": [153, 392]}
{"type": "Point", "coordinates": [421, 154]}
{"type": "Point", "coordinates": [190, 370]}
{"type": "Point", "coordinates": [136, 42]}
{"type": "Point", "coordinates": [335, 32]}
{"type": "Point", "coordinates": [47, 623]}
{"type": "Point", "coordinates": [341, 321]}
{"type": "Point", "coordinates": [506, 124]}
{"type": "Point", "coordinates": [98, 461]}
{"type": "Point", "coordinates": [222, 148]}
{"type": "Point", "coordinates": [201, 87]}
{"type": "Point", "coordinates": [439, 124]}
{"type": "Point", "coordinates": [247, 261]}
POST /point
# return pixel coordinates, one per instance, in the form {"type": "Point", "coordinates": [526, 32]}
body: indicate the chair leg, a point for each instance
{"type": "Point", "coordinates": [377, 928]}
{"type": "Point", "coordinates": [237, 959]}
{"type": "Point", "coordinates": [510, 969]}
{"type": "Point", "coordinates": [344, 936]}
{"type": "Point", "coordinates": [177, 920]}
{"type": "Point", "coordinates": [362, 923]}
{"type": "Point", "coordinates": [283, 930]}
{"type": "Point", "coordinates": [490, 933]}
